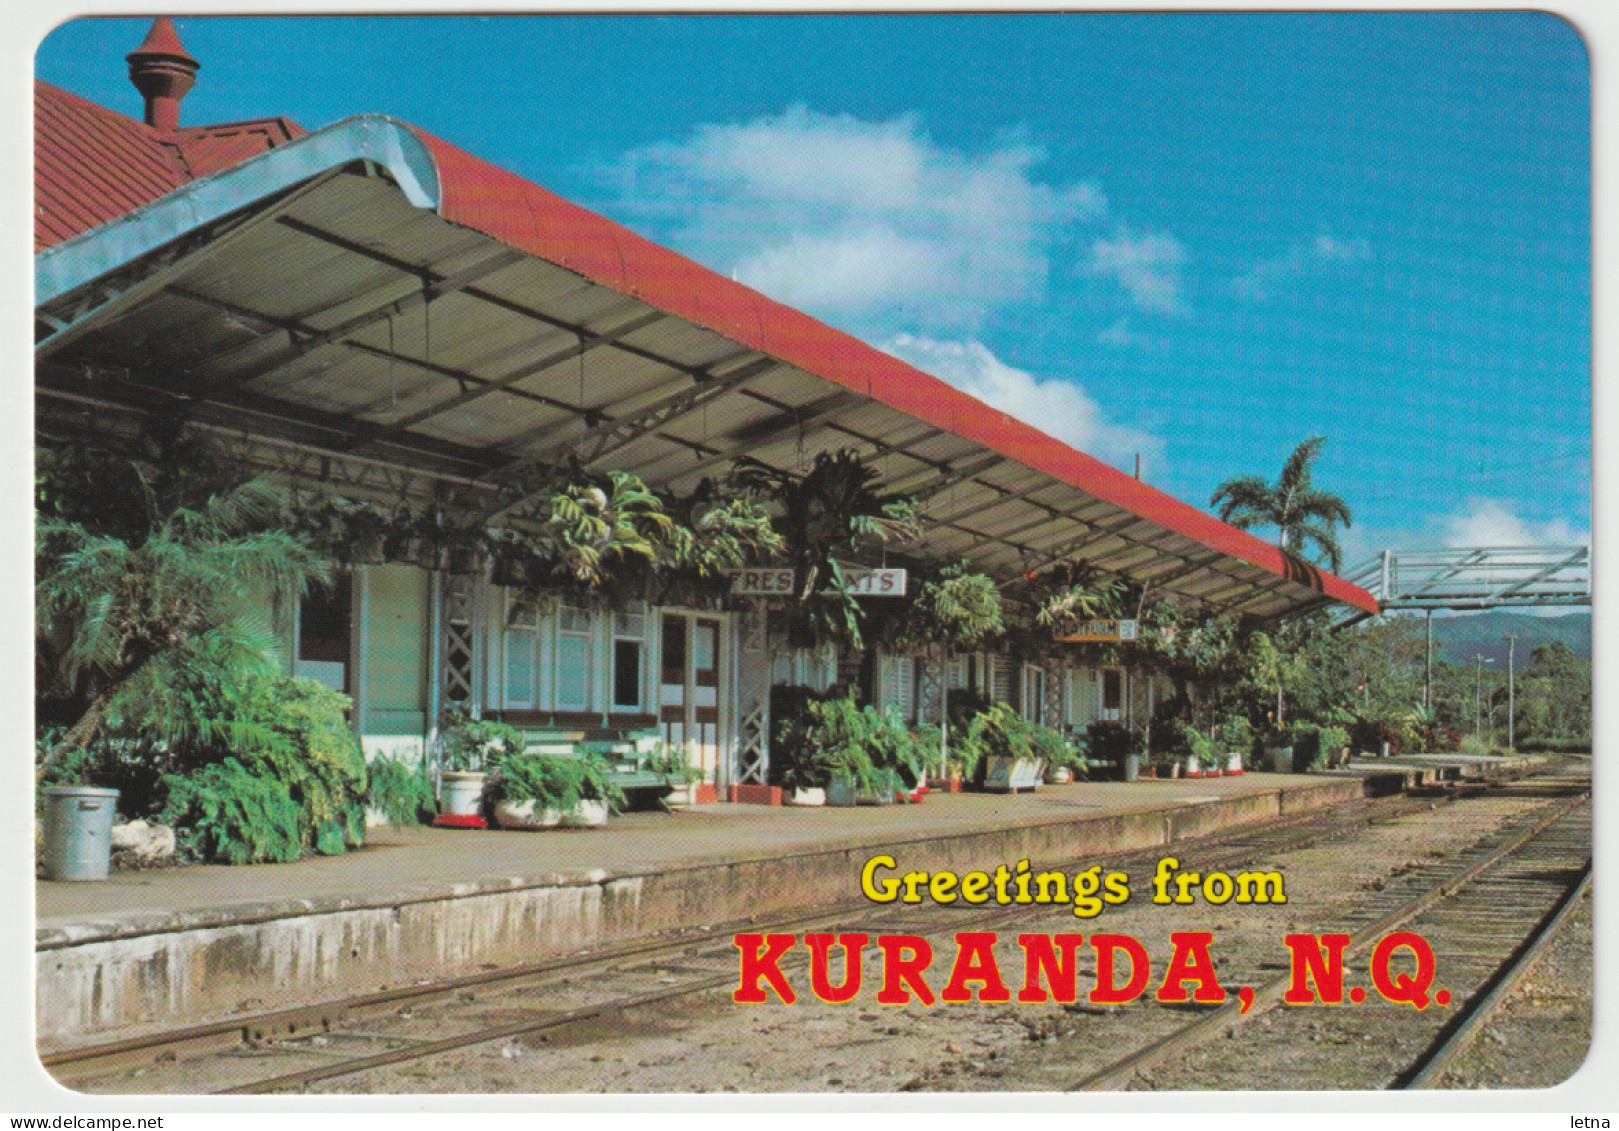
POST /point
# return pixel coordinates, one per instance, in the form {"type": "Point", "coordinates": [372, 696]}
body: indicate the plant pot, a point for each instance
{"type": "Point", "coordinates": [1008, 775]}
{"type": "Point", "coordinates": [1233, 763]}
{"type": "Point", "coordinates": [1193, 768]}
{"type": "Point", "coordinates": [588, 814]}
{"type": "Point", "coordinates": [814, 796]}
{"type": "Point", "coordinates": [1059, 775]}
{"type": "Point", "coordinates": [78, 832]}
{"type": "Point", "coordinates": [525, 815]}
{"type": "Point", "coordinates": [840, 791]}
{"type": "Point", "coordinates": [1174, 771]}
{"type": "Point", "coordinates": [461, 793]}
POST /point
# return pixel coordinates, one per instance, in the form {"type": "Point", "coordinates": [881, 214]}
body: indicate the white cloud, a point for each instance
{"type": "Point", "coordinates": [1148, 267]}
{"type": "Point", "coordinates": [859, 221]}
{"type": "Point", "coordinates": [1058, 408]}
{"type": "Point", "coordinates": [1121, 335]}
{"type": "Point", "coordinates": [1491, 522]}
{"type": "Point", "coordinates": [1269, 276]}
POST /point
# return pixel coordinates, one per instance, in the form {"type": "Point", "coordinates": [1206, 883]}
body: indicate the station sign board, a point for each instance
{"type": "Point", "coordinates": [1101, 632]}
{"type": "Point", "coordinates": [762, 582]}
{"type": "Point", "coordinates": [874, 582]}
{"type": "Point", "coordinates": [781, 582]}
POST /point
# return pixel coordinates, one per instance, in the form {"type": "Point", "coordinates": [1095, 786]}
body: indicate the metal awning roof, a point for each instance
{"type": "Point", "coordinates": [373, 296]}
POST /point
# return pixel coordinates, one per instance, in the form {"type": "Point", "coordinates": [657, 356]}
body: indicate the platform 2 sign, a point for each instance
{"type": "Point", "coordinates": [781, 582]}
{"type": "Point", "coordinates": [1101, 632]}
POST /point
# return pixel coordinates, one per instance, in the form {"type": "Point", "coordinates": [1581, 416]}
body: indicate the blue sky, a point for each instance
{"type": "Point", "coordinates": [1198, 237]}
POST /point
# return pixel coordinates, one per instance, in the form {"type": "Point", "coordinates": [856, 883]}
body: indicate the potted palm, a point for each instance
{"type": "Point", "coordinates": [466, 747]}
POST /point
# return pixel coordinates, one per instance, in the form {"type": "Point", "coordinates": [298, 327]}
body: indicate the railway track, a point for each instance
{"type": "Point", "coordinates": [310, 1045]}
{"type": "Point", "coordinates": [1491, 912]}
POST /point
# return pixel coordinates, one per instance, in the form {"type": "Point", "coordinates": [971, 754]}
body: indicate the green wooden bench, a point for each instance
{"type": "Point", "coordinates": [624, 751]}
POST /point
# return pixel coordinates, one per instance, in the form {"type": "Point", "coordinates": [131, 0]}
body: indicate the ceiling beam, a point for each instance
{"type": "Point", "coordinates": [620, 433]}
{"type": "Point", "coordinates": [294, 327]}
{"type": "Point", "coordinates": [830, 408]}
{"type": "Point", "coordinates": [427, 275]}
{"type": "Point", "coordinates": [504, 383]}
{"type": "Point", "coordinates": [948, 479]}
{"type": "Point", "coordinates": [140, 392]}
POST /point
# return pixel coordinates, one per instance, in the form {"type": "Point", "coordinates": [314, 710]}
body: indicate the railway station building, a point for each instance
{"type": "Point", "coordinates": [369, 309]}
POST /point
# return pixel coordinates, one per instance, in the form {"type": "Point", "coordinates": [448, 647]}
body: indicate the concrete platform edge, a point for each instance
{"type": "Point", "coordinates": [94, 982]}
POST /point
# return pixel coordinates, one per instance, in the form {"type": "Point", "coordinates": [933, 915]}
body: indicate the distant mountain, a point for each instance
{"type": "Point", "coordinates": [1459, 639]}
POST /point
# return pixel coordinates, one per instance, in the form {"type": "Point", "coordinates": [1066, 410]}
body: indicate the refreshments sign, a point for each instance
{"type": "Point", "coordinates": [762, 582]}
{"type": "Point", "coordinates": [782, 582]}
{"type": "Point", "coordinates": [1101, 632]}
{"type": "Point", "coordinates": [875, 582]}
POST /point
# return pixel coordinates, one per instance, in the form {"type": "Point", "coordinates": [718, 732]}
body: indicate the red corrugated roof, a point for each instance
{"type": "Point", "coordinates": [92, 165]}
{"type": "Point", "coordinates": [503, 205]}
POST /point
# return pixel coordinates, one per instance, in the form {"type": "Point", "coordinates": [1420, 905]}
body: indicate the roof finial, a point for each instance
{"type": "Point", "coordinates": [163, 72]}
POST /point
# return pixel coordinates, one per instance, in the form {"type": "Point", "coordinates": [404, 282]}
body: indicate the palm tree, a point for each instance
{"type": "Point", "coordinates": [829, 510]}
{"type": "Point", "coordinates": [832, 509]}
{"type": "Point", "coordinates": [1303, 514]}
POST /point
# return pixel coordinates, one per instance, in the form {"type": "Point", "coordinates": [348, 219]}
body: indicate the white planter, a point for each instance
{"type": "Point", "coordinates": [1009, 775]}
{"type": "Point", "coordinates": [586, 815]}
{"type": "Point", "coordinates": [812, 796]}
{"type": "Point", "coordinates": [1233, 763]}
{"type": "Point", "coordinates": [1059, 775]}
{"type": "Point", "coordinates": [461, 793]}
{"type": "Point", "coordinates": [525, 815]}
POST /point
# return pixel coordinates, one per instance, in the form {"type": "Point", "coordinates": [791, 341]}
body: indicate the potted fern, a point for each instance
{"type": "Point", "coordinates": [1012, 761]}
{"type": "Point", "coordinates": [397, 794]}
{"type": "Point", "coordinates": [674, 762]}
{"type": "Point", "coordinates": [1237, 739]}
{"type": "Point", "coordinates": [1203, 755]}
{"type": "Point", "coordinates": [539, 791]}
{"type": "Point", "coordinates": [1064, 755]}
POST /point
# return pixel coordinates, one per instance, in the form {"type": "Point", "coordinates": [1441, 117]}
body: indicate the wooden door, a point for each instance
{"type": "Point", "coordinates": [673, 664]}
{"type": "Point", "coordinates": [705, 693]}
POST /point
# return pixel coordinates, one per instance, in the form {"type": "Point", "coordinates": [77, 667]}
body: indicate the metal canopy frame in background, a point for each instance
{"type": "Point", "coordinates": [1480, 577]}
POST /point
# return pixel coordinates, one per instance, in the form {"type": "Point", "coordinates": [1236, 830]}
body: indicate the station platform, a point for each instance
{"type": "Point", "coordinates": [154, 948]}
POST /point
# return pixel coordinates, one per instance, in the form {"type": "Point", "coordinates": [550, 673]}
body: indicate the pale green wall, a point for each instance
{"type": "Point", "coordinates": [392, 653]}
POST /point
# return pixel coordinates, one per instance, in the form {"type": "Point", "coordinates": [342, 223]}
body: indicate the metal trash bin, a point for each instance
{"type": "Point", "coordinates": [78, 831]}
